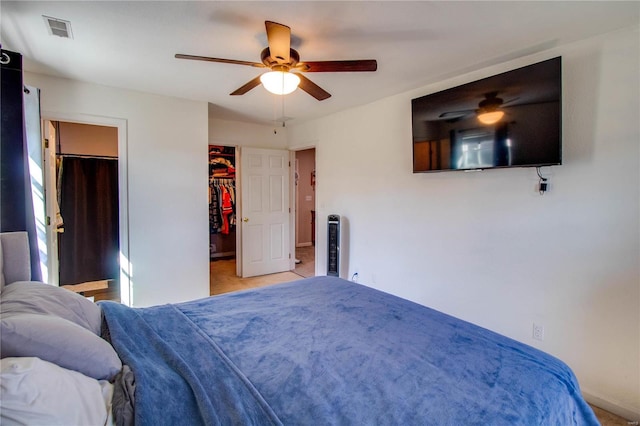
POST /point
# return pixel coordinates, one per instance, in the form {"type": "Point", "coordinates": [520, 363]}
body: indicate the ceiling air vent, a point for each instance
{"type": "Point", "coordinates": [58, 27]}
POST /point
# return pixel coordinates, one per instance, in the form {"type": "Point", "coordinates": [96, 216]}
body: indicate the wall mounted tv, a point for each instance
{"type": "Point", "coordinates": [526, 102]}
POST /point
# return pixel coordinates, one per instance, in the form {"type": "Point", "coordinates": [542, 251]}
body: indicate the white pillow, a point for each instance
{"type": "Point", "coordinates": [37, 392]}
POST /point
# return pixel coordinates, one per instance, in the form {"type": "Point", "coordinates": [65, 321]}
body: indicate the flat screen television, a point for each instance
{"type": "Point", "coordinates": [513, 119]}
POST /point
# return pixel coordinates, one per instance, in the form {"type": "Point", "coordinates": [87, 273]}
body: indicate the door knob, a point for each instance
{"type": "Point", "coordinates": [245, 219]}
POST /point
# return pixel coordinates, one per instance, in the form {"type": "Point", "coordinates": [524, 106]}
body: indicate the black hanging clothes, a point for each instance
{"type": "Point", "coordinates": [89, 245]}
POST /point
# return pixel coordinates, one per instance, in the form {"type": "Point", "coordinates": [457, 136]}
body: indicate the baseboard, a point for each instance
{"type": "Point", "coordinates": [304, 244]}
{"type": "Point", "coordinates": [223, 254]}
{"type": "Point", "coordinates": [628, 413]}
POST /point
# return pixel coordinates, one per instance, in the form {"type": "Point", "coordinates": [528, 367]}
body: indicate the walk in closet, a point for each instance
{"type": "Point", "coordinates": [222, 201]}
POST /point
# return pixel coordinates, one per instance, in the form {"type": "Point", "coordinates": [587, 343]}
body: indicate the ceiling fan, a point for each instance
{"type": "Point", "coordinates": [489, 110]}
{"type": "Point", "coordinates": [285, 66]}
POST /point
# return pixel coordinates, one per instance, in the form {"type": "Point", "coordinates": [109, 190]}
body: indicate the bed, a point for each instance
{"type": "Point", "coordinates": [316, 351]}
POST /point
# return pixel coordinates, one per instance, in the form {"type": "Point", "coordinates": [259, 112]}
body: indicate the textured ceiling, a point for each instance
{"type": "Point", "coordinates": [132, 44]}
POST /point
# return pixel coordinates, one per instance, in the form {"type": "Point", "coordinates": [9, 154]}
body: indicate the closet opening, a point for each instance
{"type": "Point", "coordinates": [86, 205]}
{"type": "Point", "coordinates": [222, 215]}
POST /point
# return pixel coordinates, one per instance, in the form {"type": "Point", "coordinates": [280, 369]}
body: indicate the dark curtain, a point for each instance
{"type": "Point", "coordinates": [88, 247]}
{"type": "Point", "coordinates": [16, 204]}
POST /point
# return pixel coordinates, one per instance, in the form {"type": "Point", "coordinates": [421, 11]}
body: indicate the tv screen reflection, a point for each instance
{"type": "Point", "coordinates": [508, 120]}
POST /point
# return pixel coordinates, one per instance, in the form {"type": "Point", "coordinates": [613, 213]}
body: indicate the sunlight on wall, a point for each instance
{"type": "Point", "coordinates": [126, 284]}
{"type": "Point", "coordinates": [37, 194]}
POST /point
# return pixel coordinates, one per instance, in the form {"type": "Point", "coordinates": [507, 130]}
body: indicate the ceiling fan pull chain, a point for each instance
{"type": "Point", "coordinates": [282, 110]}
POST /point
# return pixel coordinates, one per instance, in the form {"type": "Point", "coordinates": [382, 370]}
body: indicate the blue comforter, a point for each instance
{"type": "Point", "coordinates": [327, 351]}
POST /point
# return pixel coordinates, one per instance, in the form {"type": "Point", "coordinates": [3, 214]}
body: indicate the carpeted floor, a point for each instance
{"type": "Point", "coordinates": [223, 279]}
{"type": "Point", "coordinates": [307, 265]}
{"type": "Point", "coordinates": [609, 419]}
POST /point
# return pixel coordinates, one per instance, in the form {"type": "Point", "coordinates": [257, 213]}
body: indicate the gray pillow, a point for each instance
{"type": "Point", "coordinates": [1, 268]}
{"type": "Point", "coordinates": [34, 297]}
{"type": "Point", "coordinates": [58, 341]}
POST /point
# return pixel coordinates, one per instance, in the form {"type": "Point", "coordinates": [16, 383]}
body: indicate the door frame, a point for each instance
{"type": "Point", "coordinates": [292, 202]}
{"type": "Point", "coordinates": [123, 190]}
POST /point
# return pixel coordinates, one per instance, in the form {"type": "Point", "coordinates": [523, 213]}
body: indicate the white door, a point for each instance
{"type": "Point", "coordinates": [264, 176]}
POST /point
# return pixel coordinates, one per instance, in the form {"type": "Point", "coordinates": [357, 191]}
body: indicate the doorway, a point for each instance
{"type": "Point", "coordinates": [84, 206]}
{"type": "Point", "coordinates": [222, 202]}
{"type": "Point", "coordinates": [264, 252]}
{"type": "Point", "coordinates": [305, 220]}
{"type": "Point", "coordinates": [222, 216]}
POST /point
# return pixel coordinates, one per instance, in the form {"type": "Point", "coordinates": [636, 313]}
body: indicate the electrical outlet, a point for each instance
{"type": "Point", "coordinates": [538, 332]}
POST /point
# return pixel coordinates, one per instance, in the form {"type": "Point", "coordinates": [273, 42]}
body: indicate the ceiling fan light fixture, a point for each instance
{"type": "Point", "coordinates": [280, 82]}
{"type": "Point", "coordinates": [490, 117]}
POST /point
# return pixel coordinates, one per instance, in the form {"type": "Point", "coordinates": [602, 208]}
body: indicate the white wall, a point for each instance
{"type": "Point", "coordinates": [486, 247]}
{"type": "Point", "coordinates": [85, 139]}
{"type": "Point", "coordinates": [237, 133]}
{"type": "Point", "coordinates": [167, 185]}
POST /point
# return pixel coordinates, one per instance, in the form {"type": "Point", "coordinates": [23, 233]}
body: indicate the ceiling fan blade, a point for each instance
{"type": "Point", "coordinates": [244, 89]}
{"type": "Point", "coordinates": [455, 114]}
{"type": "Point", "coordinates": [279, 38]}
{"type": "Point", "coordinates": [224, 61]}
{"type": "Point", "coordinates": [313, 89]}
{"type": "Point", "coordinates": [339, 66]}
{"type": "Point", "coordinates": [510, 101]}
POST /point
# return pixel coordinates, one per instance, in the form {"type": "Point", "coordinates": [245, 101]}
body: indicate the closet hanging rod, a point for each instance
{"type": "Point", "coordinates": [104, 157]}
{"type": "Point", "coordinates": [220, 154]}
